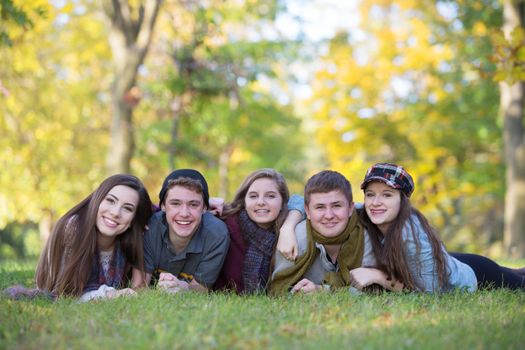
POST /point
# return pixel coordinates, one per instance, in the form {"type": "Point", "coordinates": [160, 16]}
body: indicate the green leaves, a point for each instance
{"type": "Point", "coordinates": [221, 116]}
{"type": "Point", "coordinates": [424, 97]}
{"type": "Point", "coordinates": [509, 56]}
{"type": "Point", "coordinates": [16, 18]}
{"type": "Point", "coordinates": [53, 118]}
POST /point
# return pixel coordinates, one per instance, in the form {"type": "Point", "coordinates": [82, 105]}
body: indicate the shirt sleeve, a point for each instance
{"type": "Point", "coordinates": [213, 255]}
{"type": "Point", "coordinates": [99, 293]}
{"type": "Point", "coordinates": [421, 263]}
{"type": "Point", "coordinates": [296, 202]}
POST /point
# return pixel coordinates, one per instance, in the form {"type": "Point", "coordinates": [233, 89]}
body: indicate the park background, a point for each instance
{"type": "Point", "coordinates": [92, 88]}
{"type": "Point", "coordinates": [89, 88]}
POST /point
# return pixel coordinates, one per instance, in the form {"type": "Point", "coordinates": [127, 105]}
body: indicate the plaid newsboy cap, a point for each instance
{"type": "Point", "coordinates": [393, 175]}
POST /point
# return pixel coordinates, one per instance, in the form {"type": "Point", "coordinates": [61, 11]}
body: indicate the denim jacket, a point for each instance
{"type": "Point", "coordinates": [423, 266]}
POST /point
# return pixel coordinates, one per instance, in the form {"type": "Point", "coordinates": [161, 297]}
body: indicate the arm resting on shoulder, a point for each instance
{"type": "Point", "coordinates": [287, 243]}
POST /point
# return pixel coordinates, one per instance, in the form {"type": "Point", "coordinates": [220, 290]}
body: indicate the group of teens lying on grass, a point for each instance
{"type": "Point", "coordinates": [116, 242]}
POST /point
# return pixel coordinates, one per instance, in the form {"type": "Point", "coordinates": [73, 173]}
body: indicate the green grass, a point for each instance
{"type": "Point", "coordinates": [483, 320]}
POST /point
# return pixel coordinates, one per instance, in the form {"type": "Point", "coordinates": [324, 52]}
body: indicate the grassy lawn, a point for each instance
{"type": "Point", "coordinates": [483, 320]}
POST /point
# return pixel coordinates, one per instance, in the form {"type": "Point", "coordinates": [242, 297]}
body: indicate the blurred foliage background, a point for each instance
{"type": "Point", "coordinates": [231, 86]}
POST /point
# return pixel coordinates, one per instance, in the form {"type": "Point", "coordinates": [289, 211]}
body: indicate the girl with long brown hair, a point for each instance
{"type": "Point", "coordinates": [253, 219]}
{"type": "Point", "coordinates": [408, 249]}
{"type": "Point", "coordinates": [96, 246]}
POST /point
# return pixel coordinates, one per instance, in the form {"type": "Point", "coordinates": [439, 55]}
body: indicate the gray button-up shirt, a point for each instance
{"type": "Point", "coordinates": [202, 258]}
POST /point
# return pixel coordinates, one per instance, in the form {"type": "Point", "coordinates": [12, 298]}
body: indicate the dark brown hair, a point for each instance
{"type": "Point", "coordinates": [76, 230]}
{"type": "Point", "coordinates": [186, 182]}
{"type": "Point", "coordinates": [390, 251]}
{"type": "Point", "coordinates": [327, 181]}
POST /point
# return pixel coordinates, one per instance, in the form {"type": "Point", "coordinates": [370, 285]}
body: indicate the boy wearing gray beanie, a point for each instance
{"type": "Point", "coordinates": [185, 246]}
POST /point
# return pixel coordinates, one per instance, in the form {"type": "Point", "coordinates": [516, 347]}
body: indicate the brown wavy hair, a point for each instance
{"type": "Point", "coordinates": [238, 202]}
{"type": "Point", "coordinates": [391, 254]}
{"type": "Point", "coordinates": [67, 274]}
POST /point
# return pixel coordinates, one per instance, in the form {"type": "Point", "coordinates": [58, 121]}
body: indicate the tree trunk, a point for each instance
{"type": "Point", "coordinates": [122, 138]}
{"type": "Point", "coordinates": [512, 108]}
{"type": "Point", "coordinates": [129, 38]}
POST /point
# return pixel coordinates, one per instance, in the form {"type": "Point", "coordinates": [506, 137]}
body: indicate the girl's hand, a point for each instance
{"type": "Point", "coordinates": [365, 276]}
{"type": "Point", "coordinates": [396, 286]}
{"type": "Point", "coordinates": [216, 206]}
{"type": "Point", "coordinates": [110, 294]}
{"type": "Point", "coordinates": [287, 243]}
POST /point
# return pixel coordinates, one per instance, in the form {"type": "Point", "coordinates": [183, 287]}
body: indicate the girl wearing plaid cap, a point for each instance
{"type": "Point", "coordinates": [406, 248]}
{"type": "Point", "coordinates": [409, 250]}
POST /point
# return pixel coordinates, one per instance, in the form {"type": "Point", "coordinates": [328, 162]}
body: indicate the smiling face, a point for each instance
{"type": "Point", "coordinates": [263, 202]}
{"type": "Point", "coordinates": [184, 208]}
{"type": "Point", "coordinates": [382, 204]}
{"type": "Point", "coordinates": [116, 212]}
{"type": "Point", "coordinates": [329, 212]}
